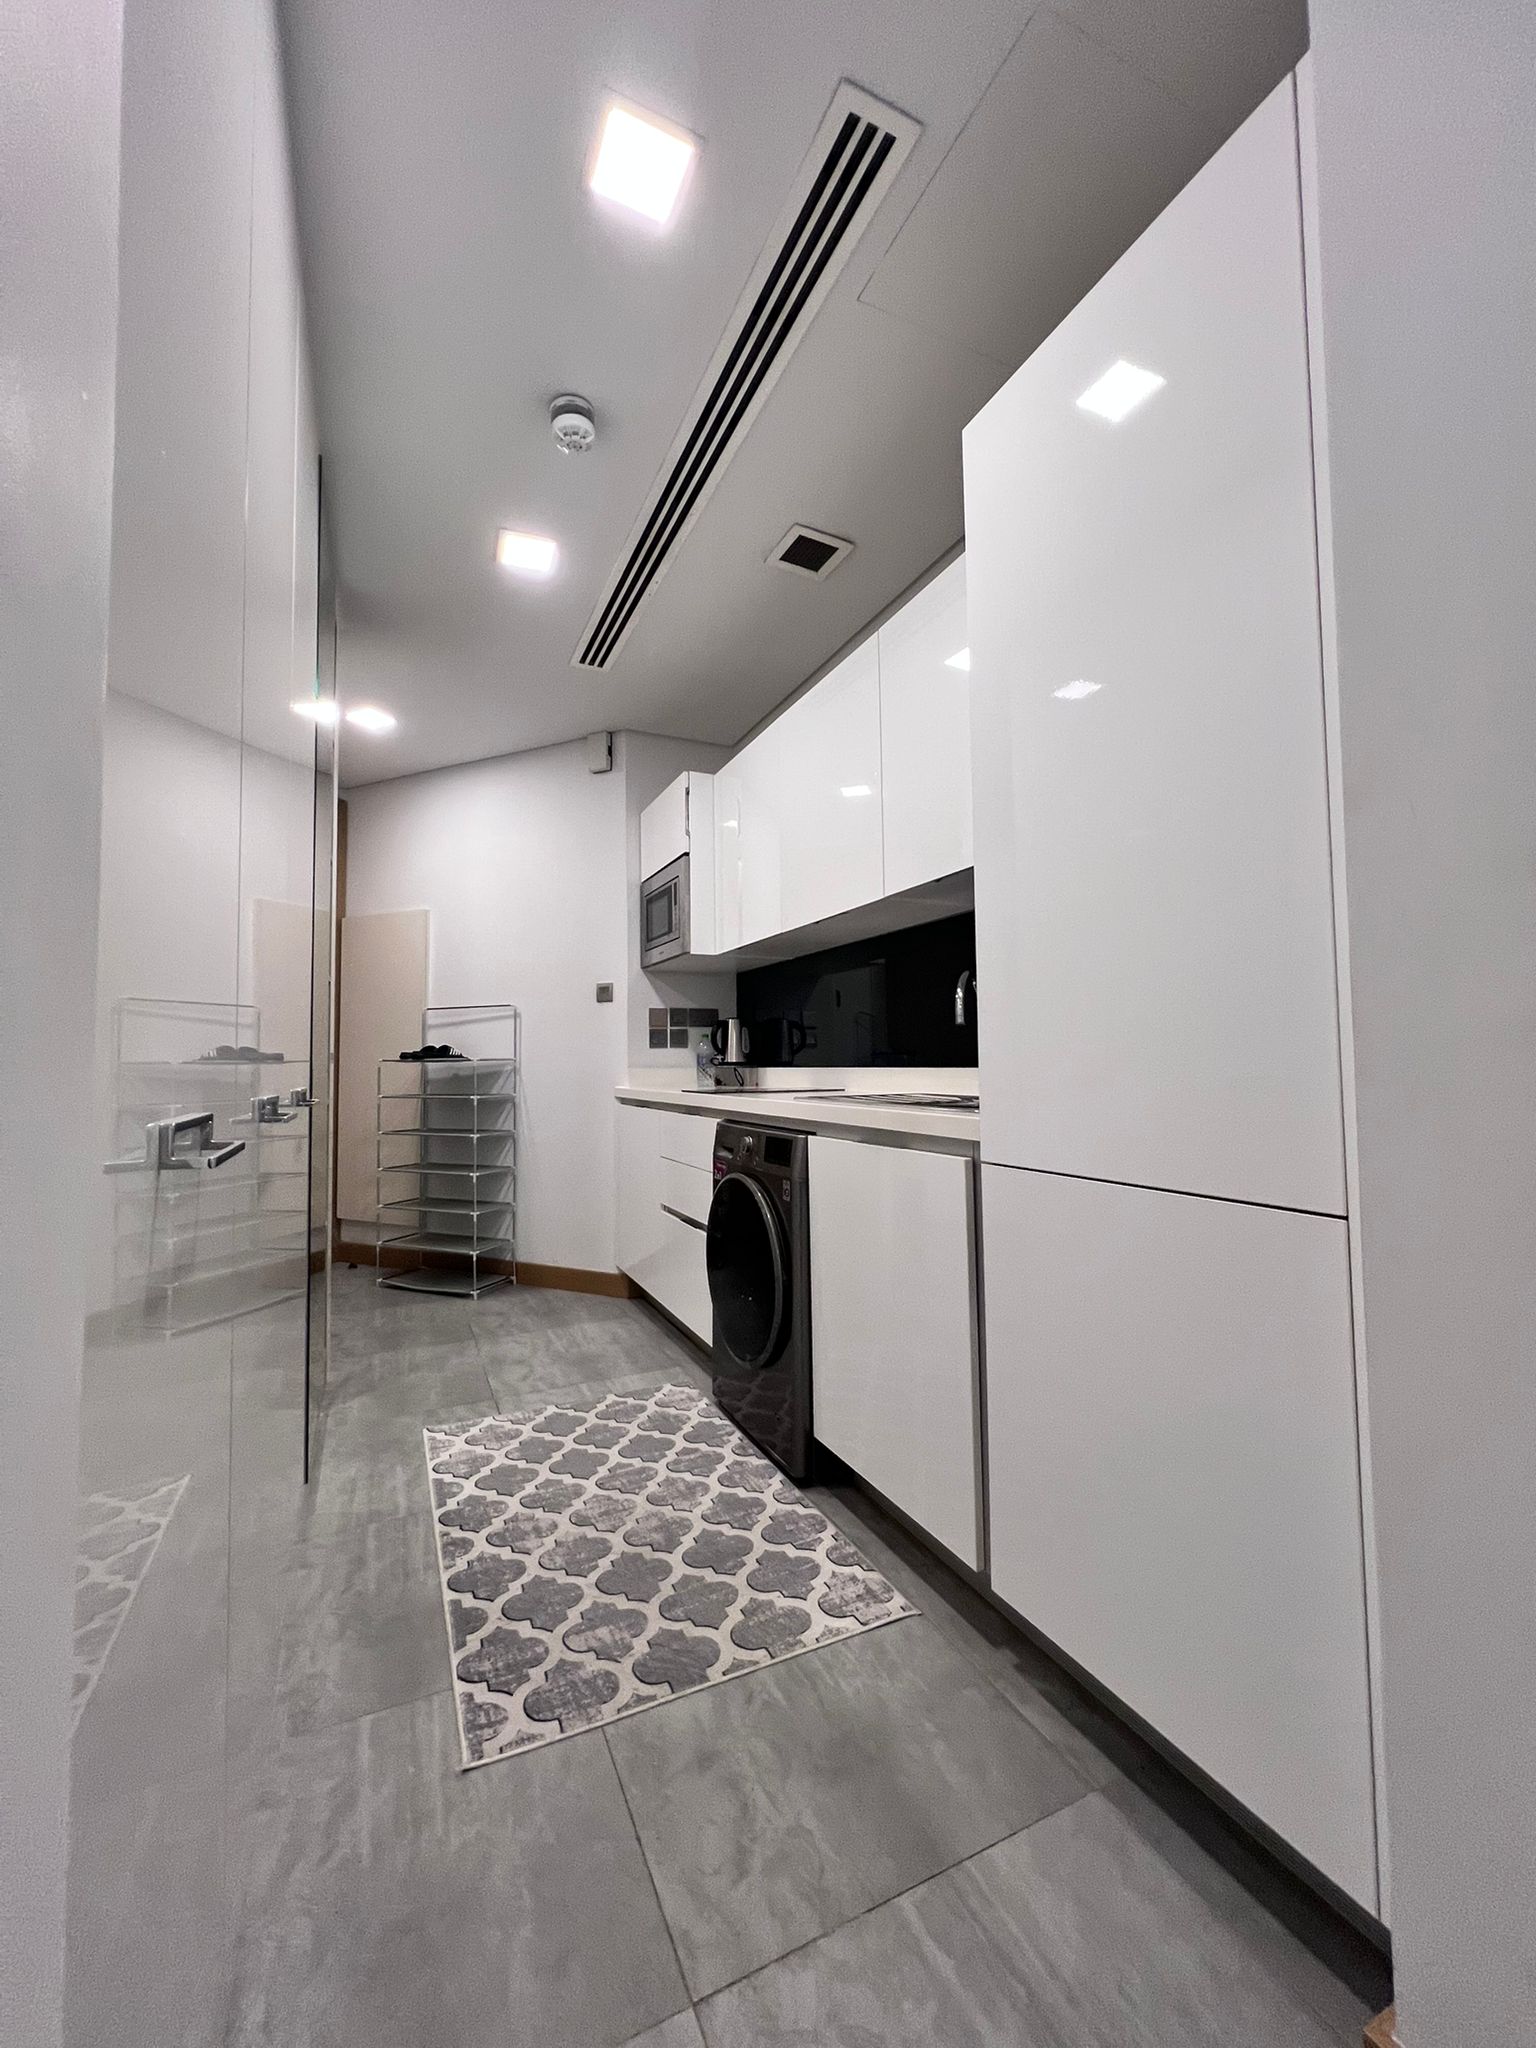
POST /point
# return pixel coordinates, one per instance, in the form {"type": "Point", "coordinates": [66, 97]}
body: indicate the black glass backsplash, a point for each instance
{"type": "Point", "coordinates": [886, 1002]}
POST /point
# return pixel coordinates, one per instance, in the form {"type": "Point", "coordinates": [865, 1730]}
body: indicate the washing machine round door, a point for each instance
{"type": "Point", "coordinates": [747, 1260]}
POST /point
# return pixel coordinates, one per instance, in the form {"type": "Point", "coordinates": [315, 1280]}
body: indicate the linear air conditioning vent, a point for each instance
{"type": "Point", "coordinates": [859, 148]}
{"type": "Point", "coordinates": [810, 552]}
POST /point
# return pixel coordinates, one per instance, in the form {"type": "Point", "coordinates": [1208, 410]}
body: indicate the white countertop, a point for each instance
{"type": "Point", "coordinates": [948, 1130]}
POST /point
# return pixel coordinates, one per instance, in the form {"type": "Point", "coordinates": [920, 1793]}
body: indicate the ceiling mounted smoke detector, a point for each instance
{"type": "Point", "coordinates": [572, 423]}
{"type": "Point", "coordinates": [850, 167]}
{"type": "Point", "coordinates": [810, 553]}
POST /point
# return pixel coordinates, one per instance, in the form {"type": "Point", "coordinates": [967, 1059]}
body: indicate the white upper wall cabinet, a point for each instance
{"type": "Point", "coordinates": [748, 880]}
{"type": "Point", "coordinates": [925, 734]}
{"type": "Point", "coordinates": [682, 821]}
{"type": "Point", "coordinates": [1154, 913]}
{"type": "Point", "coordinates": [827, 765]}
{"type": "Point", "coordinates": [664, 829]}
{"type": "Point", "coordinates": [797, 811]}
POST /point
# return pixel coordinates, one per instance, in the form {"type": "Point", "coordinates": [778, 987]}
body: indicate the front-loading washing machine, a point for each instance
{"type": "Point", "coordinates": [757, 1254]}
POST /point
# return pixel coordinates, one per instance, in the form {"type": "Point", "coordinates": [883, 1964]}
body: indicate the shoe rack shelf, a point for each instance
{"type": "Point", "coordinates": [447, 1174]}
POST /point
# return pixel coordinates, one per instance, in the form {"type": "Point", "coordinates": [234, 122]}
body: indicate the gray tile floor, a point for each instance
{"type": "Point", "coordinates": [924, 1834]}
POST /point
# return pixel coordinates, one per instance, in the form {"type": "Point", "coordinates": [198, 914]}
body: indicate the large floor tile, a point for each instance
{"type": "Point", "coordinates": [147, 1942]}
{"type": "Point", "coordinates": [533, 1354]}
{"type": "Point", "coordinates": [776, 1807]}
{"type": "Point", "coordinates": [681, 2031]}
{"type": "Point", "coordinates": [1100, 1747]}
{"type": "Point", "coordinates": [1076, 1933]}
{"type": "Point", "coordinates": [389, 1900]}
{"type": "Point", "coordinates": [367, 1320]}
{"type": "Point", "coordinates": [363, 1628]}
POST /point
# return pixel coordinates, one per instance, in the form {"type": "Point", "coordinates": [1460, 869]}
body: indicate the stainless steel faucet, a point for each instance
{"type": "Point", "coordinates": [967, 980]}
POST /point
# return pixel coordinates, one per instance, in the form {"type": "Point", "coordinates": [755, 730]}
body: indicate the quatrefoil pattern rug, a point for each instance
{"type": "Point", "coordinates": [602, 1557]}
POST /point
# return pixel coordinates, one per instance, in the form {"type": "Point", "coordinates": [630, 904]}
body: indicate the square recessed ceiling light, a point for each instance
{"type": "Point", "coordinates": [323, 710]}
{"type": "Point", "coordinates": [529, 552]}
{"type": "Point", "coordinates": [641, 162]}
{"type": "Point", "coordinates": [371, 719]}
{"type": "Point", "coordinates": [857, 789]}
{"type": "Point", "coordinates": [961, 660]}
{"type": "Point", "coordinates": [1120, 390]}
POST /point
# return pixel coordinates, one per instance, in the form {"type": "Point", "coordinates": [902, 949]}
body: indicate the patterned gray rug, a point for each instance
{"type": "Point", "coordinates": [598, 1558]}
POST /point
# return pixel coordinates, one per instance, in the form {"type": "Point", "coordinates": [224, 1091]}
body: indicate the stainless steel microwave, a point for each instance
{"type": "Point", "coordinates": [664, 914]}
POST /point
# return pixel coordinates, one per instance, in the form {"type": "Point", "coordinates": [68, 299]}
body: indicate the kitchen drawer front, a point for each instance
{"type": "Point", "coordinates": [677, 1277]}
{"type": "Point", "coordinates": [687, 1190]}
{"type": "Point", "coordinates": [687, 1139]}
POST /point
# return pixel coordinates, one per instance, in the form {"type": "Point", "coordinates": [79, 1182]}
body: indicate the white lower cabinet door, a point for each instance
{"type": "Point", "coordinates": [637, 1218]}
{"type": "Point", "coordinates": [893, 1329]}
{"type": "Point", "coordinates": [1173, 1482]}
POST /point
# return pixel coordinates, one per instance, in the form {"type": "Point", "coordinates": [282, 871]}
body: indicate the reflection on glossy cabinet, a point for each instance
{"type": "Point", "coordinates": [1174, 1495]}
{"type": "Point", "coordinates": [1153, 891]}
{"type": "Point", "coordinates": [925, 734]}
{"type": "Point", "coordinates": [893, 1329]}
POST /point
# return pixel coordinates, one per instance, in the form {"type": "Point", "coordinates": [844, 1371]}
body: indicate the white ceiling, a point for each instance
{"type": "Point", "coordinates": [460, 275]}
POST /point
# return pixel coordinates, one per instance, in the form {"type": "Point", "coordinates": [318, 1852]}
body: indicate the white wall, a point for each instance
{"type": "Point", "coordinates": [60, 80]}
{"type": "Point", "coordinates": [520, 861]}
{"type": "Point", "coordinates": [529, 865]}
{"type": "Point", "coordinates": [1427, 237]}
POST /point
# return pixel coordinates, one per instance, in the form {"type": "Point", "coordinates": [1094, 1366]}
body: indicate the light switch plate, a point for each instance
{"type": "Point", "coordinates": [605, 991]}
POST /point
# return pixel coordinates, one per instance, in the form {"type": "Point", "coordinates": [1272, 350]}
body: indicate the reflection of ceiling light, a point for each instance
{"type": "Point", "coordinates": [961, 661]}
{"type": "Point", "coordinates": [1072, 691]}
{"type": "Point", "coordinates": [641, 162]}
{"type": "Point", "coordinates": [323, 710]}
{"type": "Point", "coordinates": [858, 789]}
{"type": "Point", "coordinates": [1120, 390]}
{"type": "Point", "coordinates": [530, 552]}
{"type": "Point", "coordinates": [371, 718]}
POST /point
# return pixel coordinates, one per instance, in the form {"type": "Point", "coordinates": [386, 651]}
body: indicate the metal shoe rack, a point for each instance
{"type": "Point", "coordinates": [447, 1173]}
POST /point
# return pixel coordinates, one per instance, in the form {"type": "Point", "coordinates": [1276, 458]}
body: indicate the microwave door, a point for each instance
{"type": "Point", "coordinates": [664, 915]}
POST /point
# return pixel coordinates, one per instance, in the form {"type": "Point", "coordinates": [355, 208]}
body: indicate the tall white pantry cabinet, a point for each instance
{"type": "Point", "coordinates": [1172, 1438]}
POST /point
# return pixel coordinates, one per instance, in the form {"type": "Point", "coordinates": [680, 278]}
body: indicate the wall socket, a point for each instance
{"type": "Point", "coordinates": [605, 991]}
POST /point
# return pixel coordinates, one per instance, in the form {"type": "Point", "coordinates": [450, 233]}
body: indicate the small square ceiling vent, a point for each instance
{"type": "Point", "coordinates": [809, 552]}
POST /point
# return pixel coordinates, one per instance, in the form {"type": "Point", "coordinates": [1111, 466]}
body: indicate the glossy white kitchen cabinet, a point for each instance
{"type": "Point", "coordinates": [664, 1188]}
{"type": "Point", "coordinates": [893, 1329]}
{"type": "Point", "coordinates": [664, 828]}
{"type": "Point", "coordinates": [797, 811]}
{"type": "Point", "coordinates": [1174, 1493]}
{"type": "Point", "coordinates": [828, 769]}
{"type": "Point", "coordinates": [637, 1231]}
{"type": "Point", "coordinates": [1154, 913]}
{"type": "Point", "coordinates": [748, 869]}
{"type": "Point", "coordinates": [925, 735]}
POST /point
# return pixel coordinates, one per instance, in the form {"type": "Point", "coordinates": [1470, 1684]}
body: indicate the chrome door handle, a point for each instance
{"type": "Point", "coordinates": [692, 1222]}
{"type": "Point", "coordinates": [268, 1109]}
{"type": "Point", "coordinates": [162, 1154]}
